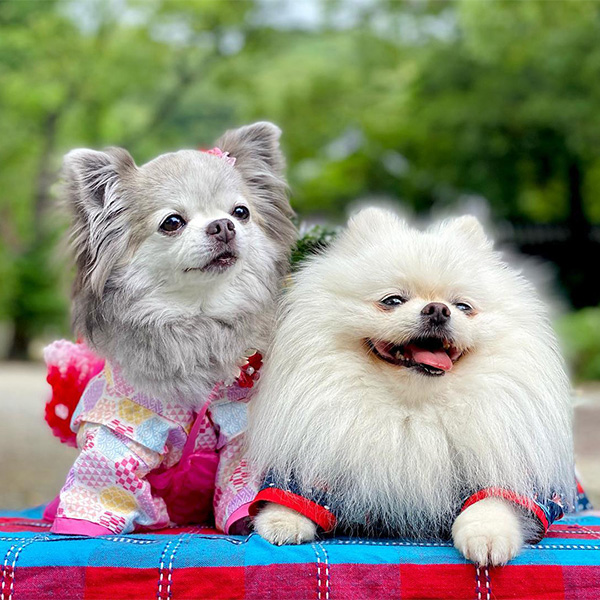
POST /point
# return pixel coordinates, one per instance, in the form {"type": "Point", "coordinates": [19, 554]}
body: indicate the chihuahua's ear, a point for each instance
{"type": "Point", "coordinates": [260, 161]}
{"type": "Point", "coordinates": [92, 176]}
{"type": "Point", "coordinates": [98, 204]}
{"type": "Point", "coordinates": [255, 149]}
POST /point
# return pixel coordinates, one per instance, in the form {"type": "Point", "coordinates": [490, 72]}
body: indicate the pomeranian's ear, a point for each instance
{"type": "Point", "coordinates": [93, 190]}
{"type": "Point", "coordinates": [468, 227]}
{"type": "Point", "coordinates": [258, 158]}
{"type": "Point", "coordinates": [372, 216]}
{"type": "Point", "coordinates": [371, 221]}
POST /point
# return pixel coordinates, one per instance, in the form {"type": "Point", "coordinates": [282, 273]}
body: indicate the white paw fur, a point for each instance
{"type": "Point", "coordinates": [282, 525]}
{"type": "Point", "coordinates": [489, 532]}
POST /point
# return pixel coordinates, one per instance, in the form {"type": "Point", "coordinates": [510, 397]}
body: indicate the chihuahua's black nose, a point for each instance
{"type": "Point", "coordinates": [222, 230]}
{"type": "Point", "coordinates": [436, 312]}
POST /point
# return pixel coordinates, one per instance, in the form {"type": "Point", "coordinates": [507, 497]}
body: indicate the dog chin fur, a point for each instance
{"type": "Point", "coordinates": [388, 441]}
{"type": "Point", "coordinates": [140, 296]}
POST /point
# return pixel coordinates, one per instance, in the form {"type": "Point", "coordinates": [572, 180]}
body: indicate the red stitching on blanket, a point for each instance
{"type": "Point", "coordinates": [478, 580]}
{"type": "Point", "coordinates": [594, 534]}
{"type": "Point", "coordinates": [318, 571]}
{"type": "Point", "coordinates": [572, 531]}
{"type": "Point", "coordinates": [6, 571]}
{"type": "Point", "coordinates": [10, 571]}
{"type": "Point", "coordinates": [171, 559]}
{"type": "Point", "coordinates": [13, 568]}
{"type": "Point", "coordinates": [326, 583]}
{"type": "Point", "coordinates": [488, 584]}
{"type": "Point", "coordinates": [327, 575]}
{"type": "Point", "coordinates": [24, 523]}
{"type": "Point", "coordinates": [161, 572]}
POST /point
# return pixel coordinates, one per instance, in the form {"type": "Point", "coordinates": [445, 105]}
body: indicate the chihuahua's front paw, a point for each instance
{"type": "Point", "coordinates": [489, 532]}
{"type": "Point", "coordinates": [281, 525]}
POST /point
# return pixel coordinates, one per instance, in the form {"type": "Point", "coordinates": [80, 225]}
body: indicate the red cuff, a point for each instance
{"type": "Point", "coordinates": [311, 510]}
{"type": "Point", "coordinates": [68, 526]}
{"type": "Point", "coordinates": [523, 501]}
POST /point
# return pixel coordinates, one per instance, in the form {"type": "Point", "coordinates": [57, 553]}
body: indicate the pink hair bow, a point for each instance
{"type": "Point", "coordinates": [220, 154]}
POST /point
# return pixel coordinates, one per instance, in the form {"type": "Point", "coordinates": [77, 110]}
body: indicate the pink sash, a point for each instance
{"type": "Point", "coordinates": [188, 487]}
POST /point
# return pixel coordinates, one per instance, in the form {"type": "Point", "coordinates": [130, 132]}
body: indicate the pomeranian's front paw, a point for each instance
{"type": "Point", "coordinates": [489, 532]}
{"type": "Point", "coordinates": [282, 525]}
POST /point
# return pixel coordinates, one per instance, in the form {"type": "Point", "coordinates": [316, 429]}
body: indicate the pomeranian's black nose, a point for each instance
{"type": "Point", "coordinates": [436, 312]}
{"type": "Point", "coordinates": [222, 230]}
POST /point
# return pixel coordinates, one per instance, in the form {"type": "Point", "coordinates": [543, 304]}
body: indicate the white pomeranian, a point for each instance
{"type": "Point", "coordinates": [414, 388]}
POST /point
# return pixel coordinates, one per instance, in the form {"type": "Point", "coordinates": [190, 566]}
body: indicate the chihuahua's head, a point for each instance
{"type": "Point", "coordinates": [189, 230]}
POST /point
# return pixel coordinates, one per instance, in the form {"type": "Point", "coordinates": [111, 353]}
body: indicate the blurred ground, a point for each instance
{"type": "Point", "coordinates": [587, 439]}
{"type": "Point", "coordinates": [34, 463]}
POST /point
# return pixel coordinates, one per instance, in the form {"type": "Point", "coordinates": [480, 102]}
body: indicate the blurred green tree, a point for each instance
{"type": "Point", "coordinates": [507, 106]}
{"type": "Point", "coordinates": [419, 103]}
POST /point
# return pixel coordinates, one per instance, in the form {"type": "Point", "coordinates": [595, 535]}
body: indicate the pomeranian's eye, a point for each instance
{"type": "Point", "coordinates": [392, 301]}
{"type": "Point", "coordinates": [241, 213]}
{"type": "Point", "coordinates": [464, 307]}
{"type": "Point", "coordinates": [172, 224]}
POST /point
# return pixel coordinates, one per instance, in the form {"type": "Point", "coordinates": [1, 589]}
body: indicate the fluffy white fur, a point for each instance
{"type": "Point", "coordinates": [390, 442]}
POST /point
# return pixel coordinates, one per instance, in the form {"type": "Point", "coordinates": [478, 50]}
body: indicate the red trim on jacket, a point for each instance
{"type": "Point", "coordinates": [513, 497]}
{"type": "Point", "coordinates": [311, 510]}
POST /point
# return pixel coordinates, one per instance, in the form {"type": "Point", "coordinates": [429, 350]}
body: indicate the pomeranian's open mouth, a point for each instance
{"type": "Point", "coordinates": [218, 264]}
{"type": "Point", "coordinates": [429, 355]}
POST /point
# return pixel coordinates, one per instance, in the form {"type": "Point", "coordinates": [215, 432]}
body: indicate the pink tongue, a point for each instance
{"type": "Point", "coordinates": [437, 358]}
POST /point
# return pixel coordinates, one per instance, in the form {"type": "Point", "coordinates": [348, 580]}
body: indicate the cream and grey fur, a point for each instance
{"type": "Point", "coordinates": [390, 442]}
{"type": "Point", "coordinates": [140, 296]}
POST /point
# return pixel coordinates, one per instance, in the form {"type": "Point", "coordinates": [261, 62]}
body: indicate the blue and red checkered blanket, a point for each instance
{"type": "Point", "coordinates": [199, 563]}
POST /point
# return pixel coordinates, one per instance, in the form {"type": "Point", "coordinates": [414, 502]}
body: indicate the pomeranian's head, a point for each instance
{"type": "Point", "coordinates": [189, 230]}
{"type": "Point", "coordinates": [418, 306]}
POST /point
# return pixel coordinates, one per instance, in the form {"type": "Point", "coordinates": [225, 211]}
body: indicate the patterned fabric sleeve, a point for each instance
{"type": "Point", "coordinates": [235, 487]}
{"type": "Point", "coordinates": [544, 511]}
{"type": "Point", "coordinates": [106, 490]}
{"type": "Point", "coordinates": [123, 435]}
{"type": "Point", "coordinates": [313, 505]}
{"type": "Point", "coordinates": [316, 507]}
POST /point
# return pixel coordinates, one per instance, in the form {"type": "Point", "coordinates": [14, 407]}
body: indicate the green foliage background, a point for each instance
{"type": "Point", "coordinates": [418, 103]}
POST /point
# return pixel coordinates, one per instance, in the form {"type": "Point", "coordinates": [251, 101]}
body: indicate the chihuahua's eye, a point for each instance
{"type": "Point", "coordinates": [241, 213]}
{"type": "Point", "coordinates": [172, 224]}
{"type": "Point", "coordinates": [464, 307]}
{"type": "Point", "coordinates": [392, 301]}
